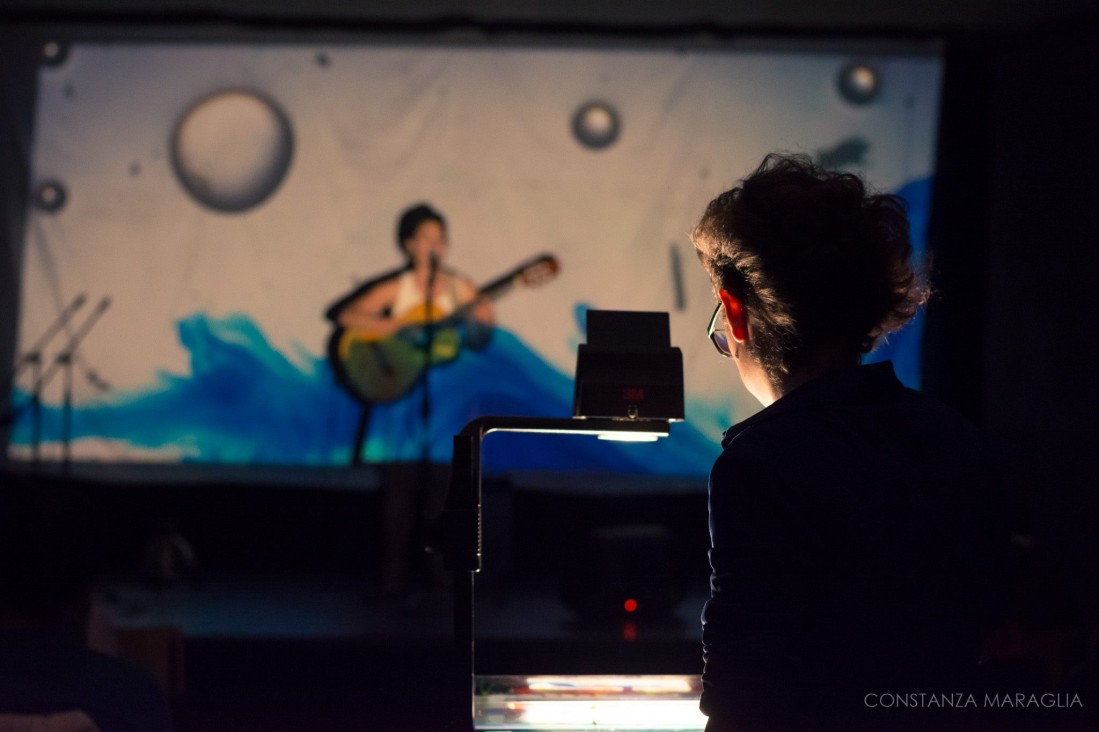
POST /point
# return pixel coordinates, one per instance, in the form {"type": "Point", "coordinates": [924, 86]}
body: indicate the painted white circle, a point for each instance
{"type": "Point", "coordinates": [595, 125]}
{"type": "Point", "coordinates": [231, 150]}
{"type": "Point", "coordinates": [859, 83]}
{"type": "Point", "coordinates": [598, 121]}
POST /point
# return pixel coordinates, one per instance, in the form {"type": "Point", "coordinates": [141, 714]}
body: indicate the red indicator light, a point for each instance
{"type": "Point", "coordinates": [630, 605]}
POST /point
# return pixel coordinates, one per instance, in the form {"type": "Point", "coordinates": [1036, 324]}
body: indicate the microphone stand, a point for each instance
{"type": "Point", "coordinates": [428, 346]}
{"type": "Point", "coordinates": [424, 476]}
{"type": "Point", "coordinates": [33, 359]}
{"type": "Point", "coordinates": [64, 363]}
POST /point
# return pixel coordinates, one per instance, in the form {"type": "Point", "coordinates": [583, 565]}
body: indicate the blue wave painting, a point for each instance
{"type": "Point", "coordinates": [245, 403]}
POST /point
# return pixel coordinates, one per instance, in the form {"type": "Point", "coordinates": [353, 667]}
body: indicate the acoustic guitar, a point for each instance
{"type": "Point", "coordinates": [379, 369]}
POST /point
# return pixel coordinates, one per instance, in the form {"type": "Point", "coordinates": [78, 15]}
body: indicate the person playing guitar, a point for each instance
{"type": "Point", "coordinates": [390, 303]}
{"type": "Point", "coordinates": [390, 330]}
{"type": "Point", "coordinates": [388, 333]}
{"type": "Point", "coordinates": [375, 365]}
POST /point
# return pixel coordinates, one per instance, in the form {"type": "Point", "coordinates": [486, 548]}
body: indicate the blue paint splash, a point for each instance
{"type": "Point", "coordinates": [245, 403]}
{"type": "Point", "coordinates": [904, 347]}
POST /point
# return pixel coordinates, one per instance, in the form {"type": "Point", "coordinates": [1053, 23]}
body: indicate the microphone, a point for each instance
{"type": "Point", "coordinates": [432, 269]}
{"type": "Point", "coordinates": [93, 378]}
{"type": "Point", "coordinates": [96, 381]}
{"type": "Point", "coordinates": [429, 293]}
{"type": "Point", "coordinates": [35, 353]}
{"type": "Point", "coordinates": [83, 329]}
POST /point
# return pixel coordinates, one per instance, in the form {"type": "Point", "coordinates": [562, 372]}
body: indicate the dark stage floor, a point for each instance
{"type": "Point", "coordinates": [321, 652]}
{"type": "Point", "coordinates": [280, 625]}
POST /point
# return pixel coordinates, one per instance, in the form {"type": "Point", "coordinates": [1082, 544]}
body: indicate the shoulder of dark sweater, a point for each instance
{"type": "Point", "coordinates": [864, 387]}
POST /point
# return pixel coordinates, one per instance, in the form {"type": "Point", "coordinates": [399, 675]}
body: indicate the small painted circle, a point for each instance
{"type": "Point", "coordinates": [54, 53]}
{"type": "Point", "coordinates": [51, 196]}
{"type": "Point", "coordinates": [859, 83]}
{"type": "Point", "coordinates": [232, 150]}
{"type": "Point", "coordinates": [596, 125]}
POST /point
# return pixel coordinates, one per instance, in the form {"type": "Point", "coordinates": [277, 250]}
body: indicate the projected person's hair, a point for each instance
{"type": "Point", "coordinates": [411, 220]}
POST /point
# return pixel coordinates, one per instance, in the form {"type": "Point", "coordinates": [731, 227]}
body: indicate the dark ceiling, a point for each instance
{"type": "Point", "coordinates": [901, 17]}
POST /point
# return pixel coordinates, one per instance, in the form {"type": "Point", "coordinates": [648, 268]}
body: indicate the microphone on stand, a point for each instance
{"type": "Point", "coordinates": [93, 378]}
{"type": "Point", "coordinates": [77, 303]}
{"type": "Point", "coordinates": [429, 303]}
{"type": "Point", "coordinates": [428, 346]}
{"type": "Point", "coordinates": [33, 359]}
{"type": "Point", "coordinates": [96, 380]}
{"type": "Point", "coordinates": [34, 355]}
{"type": "Point", "coordinates": [429, 297]}
{"type": "Point", "coordinates": [82, 331]}
{"type": "Point", "coordinates": [432, 271]}
{"type": "Point", "coordinates": [64, 362]}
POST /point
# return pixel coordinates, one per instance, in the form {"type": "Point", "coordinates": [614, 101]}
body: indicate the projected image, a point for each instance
{"type": "Point", "coordinates": [207, 222]}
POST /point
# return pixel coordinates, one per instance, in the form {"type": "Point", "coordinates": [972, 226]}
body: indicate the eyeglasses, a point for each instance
{"type": "Point", "coordinates": [718, 335]}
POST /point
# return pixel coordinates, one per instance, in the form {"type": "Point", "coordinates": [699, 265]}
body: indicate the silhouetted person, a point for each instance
{"type": "Point", "coordinates": [857, 549]}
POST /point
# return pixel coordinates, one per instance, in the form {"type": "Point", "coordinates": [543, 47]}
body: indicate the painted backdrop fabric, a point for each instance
{"type": "Point", "coordinates": [212, 348]}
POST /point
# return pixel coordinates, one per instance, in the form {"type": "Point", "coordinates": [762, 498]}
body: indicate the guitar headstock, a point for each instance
{"type": "Point", "coordinates": [538, 271]}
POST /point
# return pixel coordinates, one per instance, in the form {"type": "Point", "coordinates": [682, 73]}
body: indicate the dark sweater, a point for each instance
{"type": "Point", "coordinates": [856, 550]}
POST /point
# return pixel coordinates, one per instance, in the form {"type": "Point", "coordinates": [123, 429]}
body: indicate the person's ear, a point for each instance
{"type": "Point", "coordinates": [734, 313]}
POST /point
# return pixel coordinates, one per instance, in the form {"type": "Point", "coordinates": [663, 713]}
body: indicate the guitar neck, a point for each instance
{"type": "Point", "coordinates": [500, 286]}
{"type": "Point", "coordinates": [493, 290]}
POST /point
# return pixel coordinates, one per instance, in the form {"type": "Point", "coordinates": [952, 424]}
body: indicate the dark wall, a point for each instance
{"type": "Point", "coordinates": [1012, 335]}
{"type": "Point", "coordinates": [861, 16]}
{"type": "Point", "coordinates": [1041, 377]}
{"type": "Point", "coordinates": [17, 75]}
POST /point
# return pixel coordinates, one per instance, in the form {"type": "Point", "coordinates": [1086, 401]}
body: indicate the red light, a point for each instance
{"type": "Point", "coordinates": [630, 605]}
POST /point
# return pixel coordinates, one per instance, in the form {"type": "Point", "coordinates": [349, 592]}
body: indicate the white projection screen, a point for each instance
{"type": "Point", "coordinates": [208, 201]}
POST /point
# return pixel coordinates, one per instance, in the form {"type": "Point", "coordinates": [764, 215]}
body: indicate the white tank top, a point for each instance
{"type": "Point", "coordinates": [409, 296]}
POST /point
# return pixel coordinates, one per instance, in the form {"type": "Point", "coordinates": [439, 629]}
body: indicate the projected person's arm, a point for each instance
{"type": "Point", "coordinates": [367, 313]}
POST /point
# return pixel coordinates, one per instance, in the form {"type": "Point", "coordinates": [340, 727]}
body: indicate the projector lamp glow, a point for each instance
{"type": "Point", "coordinates": [589, 703]}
